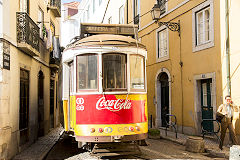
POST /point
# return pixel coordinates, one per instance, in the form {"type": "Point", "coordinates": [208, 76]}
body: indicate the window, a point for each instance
{"type": "Point", "coordinates": [24, 6]}
{"type": "Point", "coordinates": [93, 2]}
{"type": "Point", "coordinates": [137, 65]}
{"type": "Point", "coordinates": [163, 7]}
{"type": "Point", "coordinates": [202, 24]}
{"type": "Point", "coordinates": [40, 22]}
{"type": "Point", "coordinates": [71, 81]}
{"type": "Point", "coordinates": [162, 44]}
{"type": "Point", "coordinates": [110, 20]}
{"type": "Point", "coordinates": [87, 72]}
{"type": "Point", "coordinates": [136, 11]}
{"type": "Point", "coordinates": [203, 36]}
{"type": "Point", "coordinates": [114, 72]}
{"type": "Point", "coordinates": [88, 13]}
{"type": "Point", "coordinates": [121, 15]}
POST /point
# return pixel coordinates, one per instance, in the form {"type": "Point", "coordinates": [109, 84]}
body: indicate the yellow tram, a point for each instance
{"type": "Point", "coordinates": [104, 89]}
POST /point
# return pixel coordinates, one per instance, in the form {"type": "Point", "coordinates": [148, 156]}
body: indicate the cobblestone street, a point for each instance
{"type": "Point", "coordinates": [66, 148]}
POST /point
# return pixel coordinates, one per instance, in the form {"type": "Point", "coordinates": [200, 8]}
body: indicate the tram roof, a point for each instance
{"type": "Point", "coordinates": [106, 40]}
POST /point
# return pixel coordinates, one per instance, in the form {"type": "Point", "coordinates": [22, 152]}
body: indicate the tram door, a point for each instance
{"type": "Point", "coordinates": [206, 103]}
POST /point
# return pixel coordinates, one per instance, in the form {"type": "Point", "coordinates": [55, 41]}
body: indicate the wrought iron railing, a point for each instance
{"type": "Point", "coordinates": [56, 3]}
{"type": "Point", "coordinates": [54, 60]}
{"type": "Point", "coordinates": [27, 30]}
{"type": "Point", "coordinates": [136, 19]}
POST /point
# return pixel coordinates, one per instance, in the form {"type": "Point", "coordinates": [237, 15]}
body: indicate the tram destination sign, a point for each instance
{"type": "Point", "coordinates": [119, 29]}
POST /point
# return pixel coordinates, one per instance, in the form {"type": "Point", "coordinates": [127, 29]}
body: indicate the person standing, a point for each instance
{"type": "Point", "coordinates": [227, 110]}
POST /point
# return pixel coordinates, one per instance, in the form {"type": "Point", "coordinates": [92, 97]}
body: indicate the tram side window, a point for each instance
{"type": "Point", "coordinates": [87, 72]}
{"type": "Point", "coordinates": [71, 67]}
{"type": "Point", "coordinates": [137, 72]}
{"type": "Point", "coordinates": [114, 72]}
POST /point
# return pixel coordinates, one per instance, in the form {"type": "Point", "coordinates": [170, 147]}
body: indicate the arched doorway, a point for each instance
{"type": "Point", "coordinates": [40, 104]}
{"type": "Point", "coordinates": [163, 98]}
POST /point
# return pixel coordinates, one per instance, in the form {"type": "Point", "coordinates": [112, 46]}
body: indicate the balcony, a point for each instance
{"type": "Point", "coordinates": [54, 62]}
{"type": "Point", "coordinates": [55, 7]}
{"type": "Point", "coordinates": [27, 34]}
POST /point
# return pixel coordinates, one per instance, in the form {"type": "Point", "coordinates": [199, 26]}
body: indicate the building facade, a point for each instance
{"type": "Point", "coordinates": [186, 65]}
{"type": "Point", "coordinates": [70, 22]}
{"type": "Point", "coordinates": [99, 11]}
{"type": "Point", "coordinates": [29, 60]}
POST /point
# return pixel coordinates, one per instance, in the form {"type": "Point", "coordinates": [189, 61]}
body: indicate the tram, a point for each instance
{"type": "Point", "coordinates": [104, 88]}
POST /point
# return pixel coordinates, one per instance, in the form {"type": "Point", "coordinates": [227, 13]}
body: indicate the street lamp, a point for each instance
{"type": "Point", "coordinates": [156, 13]}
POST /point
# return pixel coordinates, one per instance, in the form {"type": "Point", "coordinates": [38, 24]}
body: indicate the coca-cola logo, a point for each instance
{"type": "Point", "coordinates": [113, 105]}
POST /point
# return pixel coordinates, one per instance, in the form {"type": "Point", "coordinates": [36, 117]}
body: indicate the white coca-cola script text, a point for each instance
{"type": "Point", "coordinates": [113, 105]}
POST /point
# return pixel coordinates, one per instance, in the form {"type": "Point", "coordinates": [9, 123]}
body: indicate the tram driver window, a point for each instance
{"type": "Point", "coordinates": [114, 72]}
{"type": "Point", "coordinates": [87, 72]}
{"type": "Point", "coordinates": [137, 73]}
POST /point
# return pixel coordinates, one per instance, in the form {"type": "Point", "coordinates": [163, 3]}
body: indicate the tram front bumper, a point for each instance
{"type": "Point", "coordinates": [115, 138]}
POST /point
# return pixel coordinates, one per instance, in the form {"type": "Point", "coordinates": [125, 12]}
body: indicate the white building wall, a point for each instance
{"type": "Point", "coordinates": [97, 15]}
{"type": "Point", "coordinates": [1, 18]}
{"type": "Point", "coordinates": [69, 27]}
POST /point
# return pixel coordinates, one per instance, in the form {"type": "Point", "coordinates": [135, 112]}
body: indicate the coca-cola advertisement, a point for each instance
{"type": "Point", "coordinates": [108, 109]}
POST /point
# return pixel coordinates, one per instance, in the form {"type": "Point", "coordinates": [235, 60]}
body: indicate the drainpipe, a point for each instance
{"type": "Point", "coordinates": [127, 11]}
{"type": "Point", "coordinates": [227, 48]}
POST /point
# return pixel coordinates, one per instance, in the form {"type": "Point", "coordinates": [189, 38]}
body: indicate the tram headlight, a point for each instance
{"type": "Point", "coordinates": [100, 130]}
{"type": "Point", "coordinates": [131, 129]}
{"type": "Point", "coordinates": [92, 130]}
{"type": "Point", "coordinates": [137, 128]}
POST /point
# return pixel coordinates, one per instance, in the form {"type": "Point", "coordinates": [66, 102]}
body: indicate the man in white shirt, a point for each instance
{"type": "Point", "coordinates": [226, 109]}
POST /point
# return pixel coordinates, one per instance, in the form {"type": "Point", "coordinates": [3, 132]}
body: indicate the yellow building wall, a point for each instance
{"type": "Point", "coordinates": [10, 84]}
{"type": "Point", "coordinates": [180, 49]}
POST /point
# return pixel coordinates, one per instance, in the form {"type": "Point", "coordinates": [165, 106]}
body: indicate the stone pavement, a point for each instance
{"type": "Point", "coordinates": [41, 147]}
{"type": "Point", "coordinates": [211, 146]}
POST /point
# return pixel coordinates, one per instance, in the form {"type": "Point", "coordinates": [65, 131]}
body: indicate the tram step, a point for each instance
{"type": "Point", "coordinates": [113, 149]}
{"type": "Point", "coordinates": [115, 154]}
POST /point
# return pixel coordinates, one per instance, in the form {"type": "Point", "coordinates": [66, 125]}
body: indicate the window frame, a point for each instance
{"type": "Point", "coordinates": [144, 74]}
{"type": "Point", "coordinates": [136, 11]}
{"type": "Point", "coordinates": [163, 58]}
{"type": "Point", "coordinates": [71, 77]}
{"type": "Point", "coordinates": [87, 90]}
{"type": "Point", "coordinates": [121, 15]}
{"type": "Point", "coordinates": [207, 44]}
{"type": "Point", "coordinates": [126, 75]}
{"type": "Point", "coordinates": [27, 7]}
{"type": "Point", "coordinates": [41, 23]}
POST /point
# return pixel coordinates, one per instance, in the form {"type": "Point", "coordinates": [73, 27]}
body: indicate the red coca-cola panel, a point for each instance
{"type": "Point", "coordinates": [107, 109]}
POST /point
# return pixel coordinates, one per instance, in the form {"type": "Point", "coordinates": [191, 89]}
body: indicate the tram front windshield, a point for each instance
{"type": "Point", "coordinates": [114, 69]}
{"type": "Point", "coordinates": [114, 72]}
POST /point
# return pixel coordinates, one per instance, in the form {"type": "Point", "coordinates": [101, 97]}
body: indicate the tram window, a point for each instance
{"type": "Point", "coordinates": [114, 72]}
{"type": "Point", "coordinates": [71, 67]}
{"type": "Point", "coordinates": [87, 72]}
{"type": "Point", "coordinates": [137, 72]}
